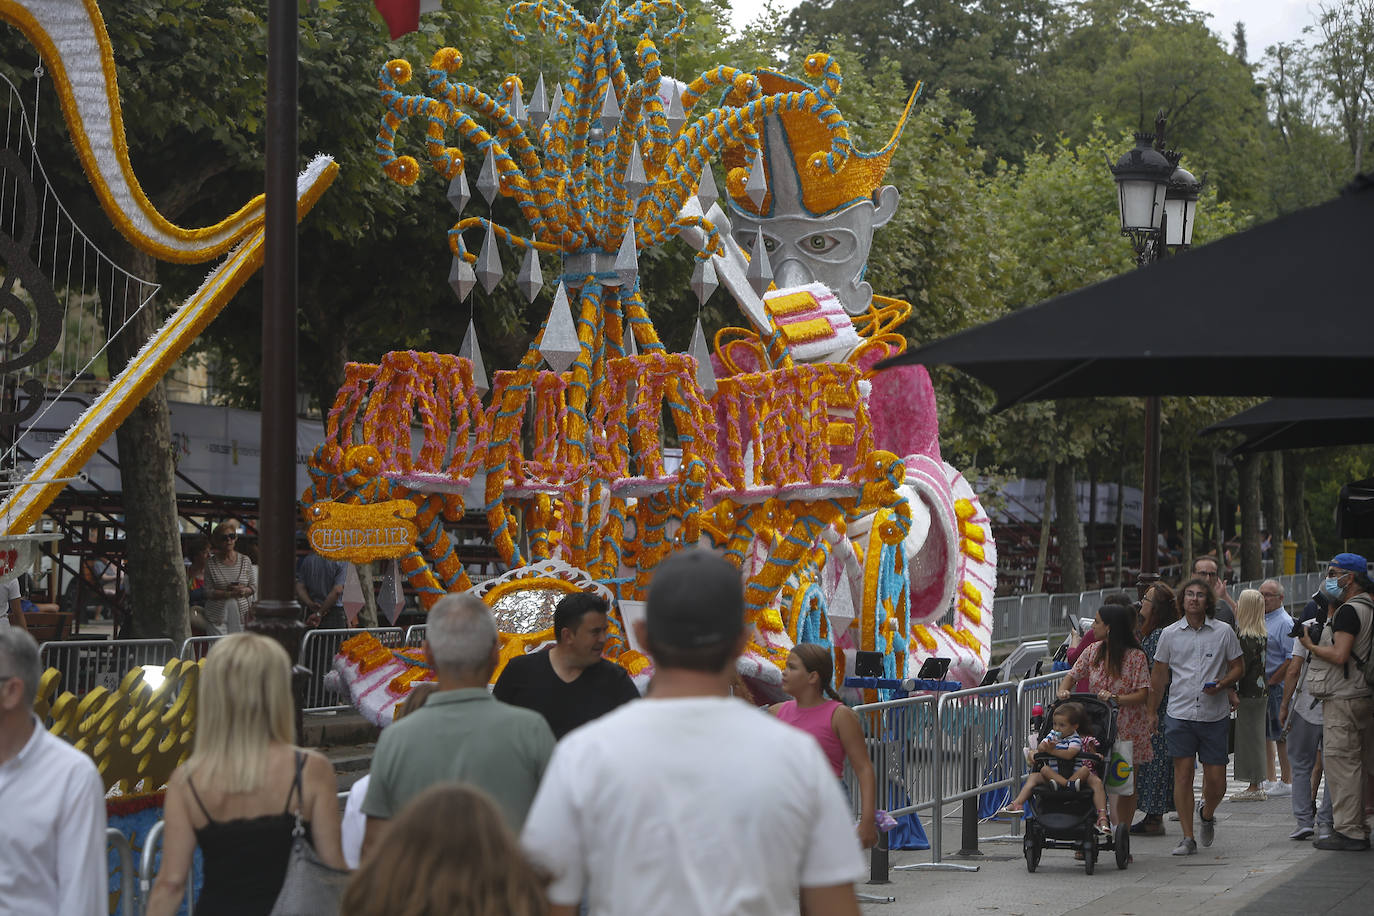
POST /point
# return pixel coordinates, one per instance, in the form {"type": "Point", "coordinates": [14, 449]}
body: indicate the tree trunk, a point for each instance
{"type": "Point", "coordinates": [1042, 554]}
{"type": "Point", "coordinates": [1070, 532]}
{"type": "Point", "coordinates": [1187, 559]}
{"type": "Point", "coordinates": [1218, 536]}
{"type": "Point", "coordinates": [1294, 489]}
{"type": "Point", "coordinates": [1277, 526]}
{"type": "Point", "coordinates": [1120, 525]}
{"type": "Point", "coordinates": [1251, 566]}
{"type": "Point", "coordinates": [1090, 555]}
{"type": "Point", "coordinates": [147, 477]}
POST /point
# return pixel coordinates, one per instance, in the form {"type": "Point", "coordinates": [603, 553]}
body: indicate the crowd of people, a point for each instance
{"type": "Point", "coordinates": [1202, 679]}
{"type": "Point", "coordinates": [561, 790]}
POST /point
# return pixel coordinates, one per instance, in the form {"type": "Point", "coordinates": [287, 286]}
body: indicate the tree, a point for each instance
{"type": "Point", "coordinates": [986, 54]}
{"type": "Point", "coordinates": [1345, 59]}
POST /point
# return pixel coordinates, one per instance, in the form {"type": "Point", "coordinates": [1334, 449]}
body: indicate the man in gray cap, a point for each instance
{"type": "Point", "coordinates": [691, 800]}
{"type": "Point", "coordinates": [1337, 676]}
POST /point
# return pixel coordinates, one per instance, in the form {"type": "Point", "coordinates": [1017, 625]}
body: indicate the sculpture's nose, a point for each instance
{"type": "Point", "coordinates": [792, 272]}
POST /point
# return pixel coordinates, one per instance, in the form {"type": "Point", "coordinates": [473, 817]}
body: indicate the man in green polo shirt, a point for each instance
{"type": "Point", "coordinates": [462, 734]}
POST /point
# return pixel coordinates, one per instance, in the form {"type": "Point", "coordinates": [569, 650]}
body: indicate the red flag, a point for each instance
{"type": "Point", "coordinates": [401, 16]}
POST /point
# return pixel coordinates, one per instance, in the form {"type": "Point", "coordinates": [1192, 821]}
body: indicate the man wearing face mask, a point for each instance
{"type": "Point", "coordinates": [1337, 677]}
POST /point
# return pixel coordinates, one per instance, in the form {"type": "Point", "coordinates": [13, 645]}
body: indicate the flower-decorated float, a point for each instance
{"type": "Point", "coordinates": [819, 478]}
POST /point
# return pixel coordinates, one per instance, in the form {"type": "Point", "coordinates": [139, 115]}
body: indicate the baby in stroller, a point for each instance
{"type": "Point", "coordinates": [1066, 749]}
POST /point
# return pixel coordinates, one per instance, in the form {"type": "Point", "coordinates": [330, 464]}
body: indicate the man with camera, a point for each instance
{"type": "Point", "coordinates": [1337, 677]}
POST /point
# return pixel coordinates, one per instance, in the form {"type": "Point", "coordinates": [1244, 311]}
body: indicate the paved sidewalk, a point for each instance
{"type": "Point", "coordinates": [1252, 868]}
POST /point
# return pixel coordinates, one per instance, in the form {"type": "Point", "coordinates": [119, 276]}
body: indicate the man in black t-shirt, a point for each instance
{"type": "Point", "coordinates": [569, 684]}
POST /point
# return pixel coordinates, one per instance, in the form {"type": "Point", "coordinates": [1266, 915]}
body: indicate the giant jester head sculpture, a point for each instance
{"type": "Point", "coordinates": [817, 226]}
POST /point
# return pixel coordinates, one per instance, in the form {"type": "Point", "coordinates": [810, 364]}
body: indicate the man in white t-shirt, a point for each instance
{"type": "Point", "coordinates": [690, 802]}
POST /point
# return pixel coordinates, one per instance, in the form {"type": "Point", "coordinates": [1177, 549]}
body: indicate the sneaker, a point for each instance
{"type": "Point", "coordinates": [1302, 833]}
{"type": "Point", "coordinates": [1342, 842]}
{"type": "Point", "coordinates": [1186, 847]}
{"type": "Point", "coordinates": [1249, 795]}
{"type": "Point", "coordinates": [1278, 789]}
{"type": "Point", "coordinates": [1173, 815]}
{"type": "Point", "coordinates": [1208, 824]}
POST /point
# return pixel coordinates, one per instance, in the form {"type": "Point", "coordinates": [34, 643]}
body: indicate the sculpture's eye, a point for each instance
{"type": "Point", "coordinates": [819, 243]}
{"type": "Point", "coordinates": [746, 241]}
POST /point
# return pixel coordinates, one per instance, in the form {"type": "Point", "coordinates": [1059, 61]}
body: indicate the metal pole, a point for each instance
{"type": "Point", "coordinates": [276, 610]}
{"type": "Point", "coordinates": [277, 524]}
{"type": "Point", "coordinates": [1149, 515]}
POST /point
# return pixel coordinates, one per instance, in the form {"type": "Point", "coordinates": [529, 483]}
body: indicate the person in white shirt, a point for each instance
{"type": "Point", "coordinates": [52, 843]}
{"type": "Point", "coordinates": [12, 610]}
{"type": "Point", "coordinates": [691, 802]}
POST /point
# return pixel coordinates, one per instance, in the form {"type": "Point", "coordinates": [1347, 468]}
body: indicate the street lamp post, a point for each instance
{"type": "Point", "coordinates": [276, 612]}
{"type": "Point", "coordinates": [1157, 203]}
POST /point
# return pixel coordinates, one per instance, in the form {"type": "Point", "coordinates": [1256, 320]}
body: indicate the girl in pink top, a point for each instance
{"type": "Point", "coordinates": [810, 669]}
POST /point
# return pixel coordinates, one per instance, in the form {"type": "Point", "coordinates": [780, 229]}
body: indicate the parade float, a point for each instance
{"type": "Point", "coordinates": [602, 451]}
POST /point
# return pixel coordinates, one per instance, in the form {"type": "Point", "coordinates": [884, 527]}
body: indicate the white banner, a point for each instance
{"type": "Point", "coordinates": [219, 448]}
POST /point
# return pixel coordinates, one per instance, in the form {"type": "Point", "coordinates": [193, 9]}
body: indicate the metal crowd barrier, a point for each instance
{"type": "Point", "coordinates": [128, 901]}
{"type": "Point", "coordinates": [318, 649]}
{"type": "Point", "coordinates": [197, 647]}
{"type": "Point", "coordinates": [415, 635]}
{"type": "Point", "coordinates": [89, 663]}
{"type": "Point", "coordinates": [974, 752]}
{"type": "Point", "coordinates": [149, 864]}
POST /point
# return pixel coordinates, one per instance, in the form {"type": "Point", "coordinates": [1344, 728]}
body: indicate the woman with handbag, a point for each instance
{"type": "Point", "coordinates": [250, 800]}
{"type": "Point", "coordinates": [1117, 670]}
{"type": "Point", "coordinates": [231, 581]}
{"type": "Point", "coordinates": [1250, 749]}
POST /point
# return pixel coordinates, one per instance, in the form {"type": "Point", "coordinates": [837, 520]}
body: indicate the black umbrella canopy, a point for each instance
{"type": "Point", "coordinates": [1355, 510]}
{"type": "Point", "coordinates": [1283, 309]}
{"type": "Point", "coordinates": [1285, 423]}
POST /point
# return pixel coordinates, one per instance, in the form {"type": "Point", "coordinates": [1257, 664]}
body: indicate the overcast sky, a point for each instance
{"type": "Point", "coordinates": [1266, 21]}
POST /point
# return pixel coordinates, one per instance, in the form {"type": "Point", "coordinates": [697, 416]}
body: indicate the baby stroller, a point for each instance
{"type": "Point", "coordinates": [1067, 818]}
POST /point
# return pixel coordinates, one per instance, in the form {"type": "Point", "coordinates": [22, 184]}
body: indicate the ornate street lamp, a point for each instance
{"type": "Point", "coordinates": [1157, 203]}
{"type": "Point", "coordinates": [1180, 207]}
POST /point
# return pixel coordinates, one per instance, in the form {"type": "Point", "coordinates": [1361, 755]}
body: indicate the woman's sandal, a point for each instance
{"type": "Point", "coordinates": [1015, 809]}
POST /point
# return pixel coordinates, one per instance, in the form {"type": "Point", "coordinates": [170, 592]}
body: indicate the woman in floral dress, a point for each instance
{"type": "Point", "coordinates": [1154, 781]}
{"type": "Point", "coordinates": [1117, 669]}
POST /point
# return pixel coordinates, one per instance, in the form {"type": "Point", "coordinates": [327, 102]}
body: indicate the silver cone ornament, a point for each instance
{"type": "Point", "coordinates": [635, 179]}
{"type": "Point", "coordinates": [472, 352]}
{"type": "Point", "coordinates": [458, 193]}
{"type": "Point", "coordinates": [489, 260]}
{"type": "Point", "coordinates": [538, 109]}
{"type": "Point", "coordinates": [676, 116]}
{"type": "Point", "coordinates": [531, 278]}
{"type": "Point", "coordinates": [704, 280]}
{"type": "Point", "coordinates": [610, 110]}
{"type": "Point", "coordinates": [706, 373]}
{"type": "Point", "coordinates": [488, 182]}
{"type": "Point", "coordinates": [462, 278]}
{"type": "Point", "coordinates": [707, 192]}
{"type": "Point", "coordinates": [627, 258]}
{"type": "Point", "coordinates": [756, 186]}
{"type": "Point", "coordinates": [760, 272]}
{"type": "Point", "coordinates": [559, 345]}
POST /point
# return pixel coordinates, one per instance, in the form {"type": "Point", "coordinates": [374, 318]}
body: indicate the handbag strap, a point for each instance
{"type": "Point", "coordinates": [298, 792]}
